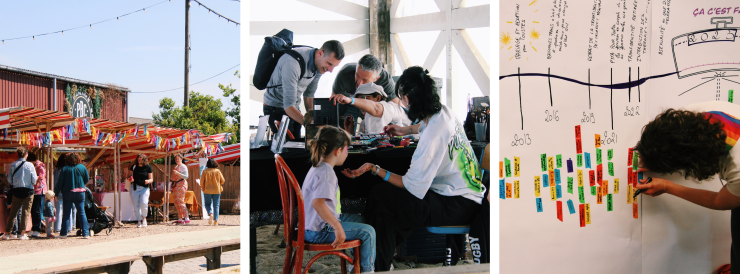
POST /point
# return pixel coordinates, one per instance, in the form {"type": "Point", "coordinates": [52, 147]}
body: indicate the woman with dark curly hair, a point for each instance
{"type": "Point", "coordinates": [698, 142]}
{"type": "Point", "coordinates": [444, 176]}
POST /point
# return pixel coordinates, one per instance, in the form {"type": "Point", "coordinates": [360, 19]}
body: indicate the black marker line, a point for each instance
{"type": "Point", "coordinates": [589, 88]}
{"type": "Point", "coordinates": [639, 99]}
{"type": "Point", "coordinates": [611, 97]}
{"type": "Point", "coordinates": [520, 97]}
{"type": "Point", "coordinates": [549, 85]}
{"type": "Point", "coordinates": [629, 92]}
{"type": "Point", "coordinates": [731, 81]}
{"type": "Point", "coordinates": [696, 87]}
{"type": "Point", "coordinates": [612, 86]}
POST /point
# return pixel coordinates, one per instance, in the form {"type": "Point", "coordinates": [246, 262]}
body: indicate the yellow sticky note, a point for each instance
{"type": "Point", "coordinates": [516, 166]}
{"type": "Point", "coordinates": [629, 193]}
{"type": "Point", "coordinates": [516, 189]}
{"type": "Point", "coordinates": [553, 192]}
{"type": "Point", "coordinates": [588, 214]}
{"type": "Point", "coordinates": [537, 186]}
{"type": "Point", "coordinates": [580, 178]}
{"type": "Point", "coordinates": [550, 163]}
{"type": "Point", "coordinates": [616, 185]}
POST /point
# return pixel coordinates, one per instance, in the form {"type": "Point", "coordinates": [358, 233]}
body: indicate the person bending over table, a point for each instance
{"type": "Point", "coordinates": [444, 176]}
{"type": "Point", "coordinates": [142, 178]}
{"type": "Point", "coordinates": [370, 99]}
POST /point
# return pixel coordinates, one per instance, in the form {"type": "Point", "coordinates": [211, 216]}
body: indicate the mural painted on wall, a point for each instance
{"type": "Point", "coordinates": [83, 101]}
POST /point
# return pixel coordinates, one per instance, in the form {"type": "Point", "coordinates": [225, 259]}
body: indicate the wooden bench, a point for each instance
{"type": "Point", "coordinates": [212, 251]}
{"type": "Point", "coordinates": [115, 265]}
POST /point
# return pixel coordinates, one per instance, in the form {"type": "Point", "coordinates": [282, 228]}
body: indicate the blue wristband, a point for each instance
{"type": "Point", "coordinates": [387, 175]}
{"type": "Point", "coordinates": [353, 101]}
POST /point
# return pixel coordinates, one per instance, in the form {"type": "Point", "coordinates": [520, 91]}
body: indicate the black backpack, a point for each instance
{"type": "Point", "coordinates": [273, 48]}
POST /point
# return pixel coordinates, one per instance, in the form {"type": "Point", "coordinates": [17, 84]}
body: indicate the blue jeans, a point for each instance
{"type": "Point", "coordinates": [60, 211]}
{"type": "Point", "coordinates": [354, 229]}
{"type": "Point", "coordinates": [214, 199]}
{"type": "Point", "coordinates": [76, 199]}
{"type": "Point", "coordinates": [140, 199]}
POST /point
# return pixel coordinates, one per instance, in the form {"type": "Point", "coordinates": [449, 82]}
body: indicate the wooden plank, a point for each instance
{"type": "Point", "coordinates": [473, 60]}
{"type": "Point", "coordinates": [374, 31]}
{"type": "Point", "coordinates": [473, 17]}
{"type": "Point", "coordinates": [90, 164]}
{"type": "Point", "coordinates": [400, 52]}
{"type": "Point", "coordinates": [267, 28]}
{"type": "Point", "coordinates": [437, 48]}
{"type": "Point", "coordinates": [385, 53]}
{"type": "Point", "coordinates": [456, 4]}
{"type": "Point", "coordinates": [442, 4]}
{"type": "Point", "coordinates": [213, 258]}
{"type": "Point", "coordinates": [421, 22]}
{"type": "Point", "coordinates": [142, 151]}
{"type": "Point", "coordinates": [395, 6]}
{"type": "Point", "coordinates": [154, 265]}
{"type": "Point", "coordinates": [115, 264]}
{"type": "Point", "coordinates": [342, 7]}
{"type": "Point", "coordinates": [193, 248]}
{"type": "Point", "coordinates": [254, 93]}
{"type": "Point", "coordinates": [355, 45]}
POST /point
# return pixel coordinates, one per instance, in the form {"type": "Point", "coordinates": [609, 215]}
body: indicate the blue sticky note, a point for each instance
{"type": "Point", "coordinates": [588, 160]}
{"type": "Point", "coordinates": [571, 208]}
{"type": "Point", "coordinates": [502, 189]}
{"type": "Point", "coordinates": [545, 180]}
{"type": "Point", "coordinates": [539, 204]}
{"type": "Point", "coordinates": [639, 177]}
{"type": "Point", "coordinates": [558, 191]}
{"type": "Point", "coordinates": [557, 176]}
{"type": "Point", "coordinates": [570, 165]}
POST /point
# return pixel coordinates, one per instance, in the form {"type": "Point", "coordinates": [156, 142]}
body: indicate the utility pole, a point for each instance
{"type": "Point", "coordinates": [187, 52]}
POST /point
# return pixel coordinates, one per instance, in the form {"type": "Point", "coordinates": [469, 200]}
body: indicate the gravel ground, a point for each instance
{"type": "Point", "coordinates": [129, 230]}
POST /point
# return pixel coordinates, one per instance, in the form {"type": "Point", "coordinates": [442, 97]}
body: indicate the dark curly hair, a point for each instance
{"type": "Point", "coordinates": [680, 140]}
{"type": "Point", "coordinates": [421, 91]}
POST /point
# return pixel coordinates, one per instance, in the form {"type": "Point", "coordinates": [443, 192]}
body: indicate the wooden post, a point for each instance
{"type": "Point", "coordinates": [380, 32]}
{"type": "Point", "coordinates": [213, 258]}
{"type": "Point", "coordinates": [166, 189]}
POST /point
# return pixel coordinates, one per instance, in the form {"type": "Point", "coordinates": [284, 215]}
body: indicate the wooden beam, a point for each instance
{"type": "Point", "coordinates": [264, 28]}
{"type": "Point", "coordinates": [456, 4]}
{"type": "Point", "coordinates": [400, 52]}
{"type": "Point", "coordinates": [90, 164]}
{"type": "Point", "coordinates": [142, 151]}
{"type": "Point", "coordinates": [353, 46]}
{"type": "Point", "coordinates": [437, 48]}
{"type": "Point", "coordinates": [254, 93]}
{"type": "Point", "coordinates": [421, 22]}
{"type": "Point", "coordinates": [380, 32]}
{"type": "Point", "coordinates": [473, 17]}
{"type": "Point", "coordinates": [473, 60]}
{"type": "Point", "coordinates": [442, 4]}
{"type": "Point", "coordinates": [395, 6]}
{"type": "Point", "coordinates": [342, 7]}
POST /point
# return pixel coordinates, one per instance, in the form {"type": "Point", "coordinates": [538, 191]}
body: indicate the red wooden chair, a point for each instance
{"type": "Point", "coordinates": [291, 196]}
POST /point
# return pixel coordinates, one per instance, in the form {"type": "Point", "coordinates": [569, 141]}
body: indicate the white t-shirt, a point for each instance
{"type": "Point", "coordinates": [730, 170]}
{"type": "Point", "coordinates": [320, 182]}
{"type": "Point", "coordinates": [444, 161]}
{"type": "Point", "coordinates": [392, 114]}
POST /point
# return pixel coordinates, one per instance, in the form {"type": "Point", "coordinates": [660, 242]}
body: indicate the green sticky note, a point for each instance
{"type": "Point", "coordinates": [559, 161]}
{"type": "Point", "coordinates": [581, 196]}
{"type": "Point", "coordinates": [609, 202]}
{"type": "Point", "coordinates": [634, 160]}
{"type": "Point", "coordinates": [598, 156]}
{"type": "Point", "coordinates": [507, 165]}
{"type": "Point", "coordinates": [730, 96]}
{"type": "Point", "coordinates": [610, 154]}
{"type": "Point", "coordinates": [570, 185]}
{"type": "Point", "coordinates": [593, 190]}
{"type": "Point", "coordinates": [611, 169]}
{"type": "Point", "coordinates": [543, 162]}
{"type": "Point", "coordinates": [579, 160]}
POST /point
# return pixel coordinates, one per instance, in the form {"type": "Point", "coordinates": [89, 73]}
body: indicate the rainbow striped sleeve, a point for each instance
{"type": "Point", "coordinates": [731, 126]}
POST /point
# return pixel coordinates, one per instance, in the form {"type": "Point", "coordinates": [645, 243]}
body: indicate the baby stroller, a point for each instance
{"type": "Point", "coordinates": [101, 219]}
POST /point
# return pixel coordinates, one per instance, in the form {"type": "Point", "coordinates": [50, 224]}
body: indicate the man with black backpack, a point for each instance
{"type": "Point", "coordinates": [286, 85]}
{"type": "Point", "coordinates": [22, 178]}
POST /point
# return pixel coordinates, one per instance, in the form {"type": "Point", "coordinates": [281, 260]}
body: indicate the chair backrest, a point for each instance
{"type": "Point", "coordinates": [291, 197]}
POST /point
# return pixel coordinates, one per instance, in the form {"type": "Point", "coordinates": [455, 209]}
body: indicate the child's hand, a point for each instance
{"type": "Point", "coordinates": [340, 237]}
{"type": "Point", "coordinates": [357, 172]}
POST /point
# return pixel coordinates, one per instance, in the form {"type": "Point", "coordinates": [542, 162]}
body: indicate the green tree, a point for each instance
{"type": "Point", "coordinates": [233, 113]}
{"type": "Point", "coordinates": [205, 114]}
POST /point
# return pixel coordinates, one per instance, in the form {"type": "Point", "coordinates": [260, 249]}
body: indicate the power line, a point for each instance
{"type": "Point", "coordinates": [87, 25]}
{"type": "Point", "coordinates": [190, 84]}
{"type": "Point", "coordinates": [219, 15]}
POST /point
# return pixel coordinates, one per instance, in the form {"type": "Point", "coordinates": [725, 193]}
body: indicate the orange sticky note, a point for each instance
{"type": "Point", "coordinates": [598, 140]}
{"type": "Point", "coordinates": [598, 195]}
{"type": "Point", "coordinates": [501, 169]}
{"type": "Point", "coordinates": [634, 210]}
{"type": "Point", "coordinates": [605, 187]}
{"type": "Point", "coordinates": [508, 190]}
{"type": "Point", "coordinates": [551, 176]}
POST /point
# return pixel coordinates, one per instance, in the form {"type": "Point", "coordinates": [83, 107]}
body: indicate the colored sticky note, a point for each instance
{"type": "Point", "coordinates": [635, 178]}
{"type": "Point", "coordinates": [581, 195]}
{"type": "Point", "coordinates": [570, 165]}
{"type": "Point", "coordinates": [570, 185]}
{"type": "Point", "coordinates": [730, 95]}
{"type": "Point", "coordinates": [571, 208]}
{"type": "Point", "coordinates": [629, 157]}
{"type": "Point", "coordinates": [597, 140]}
{"type": "Point", "coordinates": [557, 176]}
{"type": "Point", "coordinates": [582, 215]}
{"type": "Point", "coordinates": [639, 177]}
{"type": "Point", "coordinates": [616, 185]}
{"type": "Point", "coordinates": [516, 189]}
{"type": "Point", "coordinates": [629, 176]}
{"type": "Point", "coordinates": [599, 173]}
{"type": "Point", "coordinates": [539, 204]}
{"type": "Point", "coordinates": [580, 178]}
{"type": "Point", "coordinates": [609, 203]}
{"type": "Point", "coordinates": [588, 214]}
{"type": "Point", "coordinates": [611, 169]}
{"type": "Point", "coordinates": [605, 187]}
{"type": "Point", "coordinates": [578, 132]}
{"type": "Point", "coordinates": [634, 161]}
{"type": "Point", "coordinates": [579, 160]}
{"type": "Point", "coordinates": [501, 169]}
{"type": "Point", "coordinates": [551, 176]}
{"type": "Point", "coordinates": [545, 180]}
{"type": "Point", "coordinates": [587, 160]}
{"type": "Point", "coordinates": [502, 189]}
{"type": "Point", "coordinates": [508, 190]}
{"type": "Point", "coordinates": [553, 193]}
{"type": "Point", "coordinates": [559, 191]}
{"type": "Point", "coordinates": [593, 190]}
{"type": "Point", "coordinates": [629, 194]}
{"type": "Point", "coordinates": [550, 163]}
{"type": "Point", "coordinates": [537, 186]}
{"type": "Point", "coordinates": [543, 162]}
{"type": "Point", "coordinates": [560, 210]}
{"type": "Point", "coordinates": [559, 161]}
{"type": "Point", "coordinates": [507, 167]}
{"type": "Point", "coordinates": [610, 154]}
{"type": "Point", "coordinates": [516, 166]}
{"type": "Point", "coordinates": [579, 146]}
{"type": "Point", "coordinates": [634, 210]}
{"type": "Point", "coordinates": [591, 178]}
{"type": "Point", "coordinates": [598, 195]}
{"type": "Point", "coordinates": [598, 156]}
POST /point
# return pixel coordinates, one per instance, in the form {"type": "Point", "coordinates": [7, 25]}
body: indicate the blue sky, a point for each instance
{"type": "Point", "coordinates": [143, 51]}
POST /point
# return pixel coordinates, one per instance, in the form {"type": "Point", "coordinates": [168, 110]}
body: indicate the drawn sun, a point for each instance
{"type": "Point", "coordinates": [505, 39]}
{"type": "Point", "coordinates": [534, 34]}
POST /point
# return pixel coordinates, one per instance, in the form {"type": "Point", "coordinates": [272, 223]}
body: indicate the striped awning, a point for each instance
{"type": "Point", "coordinates": [230, 152]}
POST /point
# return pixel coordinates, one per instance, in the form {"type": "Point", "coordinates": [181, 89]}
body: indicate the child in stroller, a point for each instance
{"type": "Point", "coordinates": [101, 219]}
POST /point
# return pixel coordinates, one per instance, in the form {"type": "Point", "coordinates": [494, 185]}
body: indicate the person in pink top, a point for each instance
{"type": "Point", "coordinates": [179, 188]}
{"type": "Point", "coordinates": [37, 209]}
